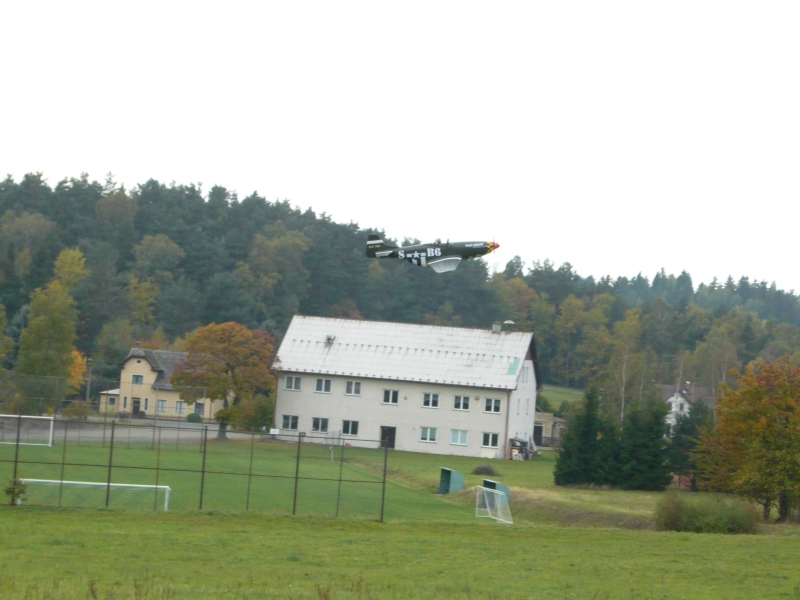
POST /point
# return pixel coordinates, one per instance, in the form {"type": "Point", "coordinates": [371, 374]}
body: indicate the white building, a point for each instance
{"type": "Point", "coordinates": [422, 388]}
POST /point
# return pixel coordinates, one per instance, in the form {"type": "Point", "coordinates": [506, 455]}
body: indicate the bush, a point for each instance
{"type": "Point", "coordinates": [77, 409]}
{"type": "Point", "coordinates": [705, 513]}
{"type": "Point", "coordinates": [194, 418]}
{"type": "Point", "coordinates": [485, 469]}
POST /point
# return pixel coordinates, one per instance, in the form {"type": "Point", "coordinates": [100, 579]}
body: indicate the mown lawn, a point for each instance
{"type": "Point", "coordinates": [68, 553]}
{"type": "Point", "coordinates": [556, 395]}
{"type": "Point", "coordinates": [412, 480]}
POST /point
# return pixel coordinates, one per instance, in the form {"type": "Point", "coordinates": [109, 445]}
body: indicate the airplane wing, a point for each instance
{"type": "Point", "coordinates": [445, 264]}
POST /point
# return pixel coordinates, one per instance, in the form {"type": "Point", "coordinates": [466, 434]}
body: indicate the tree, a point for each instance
{"type": "Point", "coordinates": [77, 370]}
{"type": "Point", "coordinates": [156, 253]}
{"type": "Point", "coordinates": [69, 269]}
{"type": "Point", "coordinates": [641, 457]}
{"type": "Point", "coordinates": [141, 296]}
{"type": "Point", "coordinates": [625, 358]}
{"type": "Point", "coordinates": [587, 446]}
{"type": "Point", "coordinates": [683, 439]}
{"type": "Point", "coordinates": [6, 343]}
{"type": "Point", "coordinates": [46, 343]}
{"type": "Point", "coordinates": [753, 448]}
{"type": "Point", "coordinates": [112, 346]}
{"type": "Point", "coordinates": [232, 363]}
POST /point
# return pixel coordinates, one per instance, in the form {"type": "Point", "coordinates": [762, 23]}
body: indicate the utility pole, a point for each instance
{"type": "Point", "coordinates": [88, 380]}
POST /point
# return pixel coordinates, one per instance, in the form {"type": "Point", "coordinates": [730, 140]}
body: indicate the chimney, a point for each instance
{"type": "Point", "coordinates": [497, 327]}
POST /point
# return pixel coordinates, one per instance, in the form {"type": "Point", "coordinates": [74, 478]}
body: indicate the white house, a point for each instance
{"type": "Point", "coordinates": [423, 388]}
{"type": "Point", "coordinates": [680, 400]}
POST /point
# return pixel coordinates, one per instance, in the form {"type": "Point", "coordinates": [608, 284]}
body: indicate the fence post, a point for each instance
{"type": "Point", "coordinates": [16, 454]}
{"type": "Point", "coordinates": [341, 467]}
{"type": "Point", "coordinates": [203, 471]}
{"type": "Point", "coordinates": [297, 471]}
{"type": "Point", "coordinates": [250, 471]}
{"type": "Point", "coordinates": [383, 487]}
{"type": "Point", "coordinates": [63, 460]}
{"type": "Point", "coordinates": [158, 466]}
{"type": "Point", "coordinates": [110, 462]}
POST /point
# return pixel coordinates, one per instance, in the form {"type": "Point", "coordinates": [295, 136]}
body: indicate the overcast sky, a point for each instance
{"type": "Point", "coordinates": [622, 137]}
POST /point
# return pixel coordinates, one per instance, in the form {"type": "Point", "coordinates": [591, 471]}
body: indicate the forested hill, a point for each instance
{"type": "Point", "coordinates": [164, 259]}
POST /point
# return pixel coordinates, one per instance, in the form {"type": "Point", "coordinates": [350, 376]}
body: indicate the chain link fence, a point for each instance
{"type": "Point", "coordinates": [146, 465]}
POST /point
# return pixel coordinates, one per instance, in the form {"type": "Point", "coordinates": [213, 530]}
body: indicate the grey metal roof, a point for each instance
{"type": "Point", "coordinates": [161, 361]}
{"type": "Point", "coordinates": [422, 353]}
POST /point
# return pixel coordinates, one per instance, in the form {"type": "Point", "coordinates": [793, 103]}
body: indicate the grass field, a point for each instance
{"type": "Point", "coordinates": [556, 395]}
{"type": "Point", "coordinates": [69, 554]}
{"type": "Point", "coordinates": [412, 480]}
{"type": "Point", "coordinates": [270, 489]}
{"type": "Point", "coordinates": [566, 542]}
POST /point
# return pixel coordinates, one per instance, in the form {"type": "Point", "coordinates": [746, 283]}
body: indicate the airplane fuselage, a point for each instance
{"type": "Point", "coordinates": [440, 256]}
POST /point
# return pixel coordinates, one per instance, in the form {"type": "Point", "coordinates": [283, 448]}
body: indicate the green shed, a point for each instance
{"type": "Point", "coordinates": [496, 485]}
{"type": "Point", "coordinates": [450, 481]}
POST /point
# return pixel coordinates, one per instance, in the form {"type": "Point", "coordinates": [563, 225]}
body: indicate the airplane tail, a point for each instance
{"type": "Point", "coordinates": [376, 246]}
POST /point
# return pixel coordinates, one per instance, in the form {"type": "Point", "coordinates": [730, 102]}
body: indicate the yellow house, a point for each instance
{"type": "Point", "coordinates": [145, 389]}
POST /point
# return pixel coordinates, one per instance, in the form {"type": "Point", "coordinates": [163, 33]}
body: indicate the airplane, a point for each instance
{"type": "Point", "coordinates": [441, 257]}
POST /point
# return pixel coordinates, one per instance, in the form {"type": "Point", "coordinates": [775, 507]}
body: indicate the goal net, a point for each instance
{"type": "Point", "coordinates": [92, 494]}
{"type": "Point", "coordinates": [493, 504]}
{"type": "Point", "coordinates": [33, 431]}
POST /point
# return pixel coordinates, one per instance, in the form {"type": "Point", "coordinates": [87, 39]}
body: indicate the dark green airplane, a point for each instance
{"type": "Point", "coordinates": [441, 257]}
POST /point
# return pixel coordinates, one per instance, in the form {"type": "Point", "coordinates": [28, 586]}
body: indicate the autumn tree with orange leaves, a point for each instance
{"type": "Point", "coordinates": [232, 363]}
{"type": "Point", "coordinates": [753, 448]}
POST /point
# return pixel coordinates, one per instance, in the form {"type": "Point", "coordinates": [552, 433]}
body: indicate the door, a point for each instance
{"type": "Point", "coordinates": [137, 405]}
{"type": "Point", "coordinates": [537, 434]}
{"type": "Point", "coordinates": [387, 436]}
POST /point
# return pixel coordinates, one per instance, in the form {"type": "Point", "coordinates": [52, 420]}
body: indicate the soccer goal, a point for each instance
{"type": "Point", "coordinates": [94, 494]}
{"type": "Point", "coordinates": [493, 504]}
{"type": "Point", "coordinates": [33, 431]}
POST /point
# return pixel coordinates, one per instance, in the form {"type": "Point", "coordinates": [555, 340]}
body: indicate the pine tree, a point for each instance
{"type": "Point", "coordinates": [641, 455]}
{"type": "Point", "coordinates": [586, 453]}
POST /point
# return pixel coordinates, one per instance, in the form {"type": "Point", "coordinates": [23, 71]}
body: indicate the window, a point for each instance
{"type": "Point", "coordinates": [427, 434]}
{"type": "Point", "coordinates": [352, 388]}
{"type": "Point", "coordinates": [124, 402]}
{"type": "Point", "coordinates": [161, 405]}
{"type": "Point", "coordinates": [490, 440]}
{"type": "Point", "coordinates": [323, 386]}
{"type": "Point", "coordinates": [461, 403]}
{"type": "Point", "coordinates": [199, 408]}
{"type": "Point", "coordinates": [146, 402]}
{"type": "Point", "coordinates": [137, 379]}
{"type": "Point", "coordinates": [318, 424]}
{"type": "Point", "coordinates": [390, 396]}
{"type": "Point", "coordinates": [293, 383]}
{"type": "Point", "coordinates": [290, 421]}
{"type": "Point", "coordinates": [492, 405]}
{"type": "Point", "coordinates": [112, 400]}
{"type": "Point", "coordinates": [180, 407]}
{"type": "Point", "coordinates": [458, 437]}
{"type": "Point", "coordinates": [430, 400]}
{"type": "Point", "coordinates": [350, 427]}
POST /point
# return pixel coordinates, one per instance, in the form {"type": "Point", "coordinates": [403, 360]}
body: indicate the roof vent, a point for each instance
{"type": "Point", "coordinates": [329, 339]}
{"type": "Point", "coordinates": [497, 327]}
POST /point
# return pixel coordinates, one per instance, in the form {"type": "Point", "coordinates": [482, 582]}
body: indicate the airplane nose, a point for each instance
{"type": "Point", "coordinates": [494, 245]}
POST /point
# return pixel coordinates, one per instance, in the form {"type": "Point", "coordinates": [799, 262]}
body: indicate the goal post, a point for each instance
{"type": "Point", "coordinates": [31, 431]}
{"type": "Point", "coordinates": [492, 504]}
{"type": "Point", "coordinates": [94, 494]}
